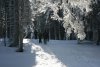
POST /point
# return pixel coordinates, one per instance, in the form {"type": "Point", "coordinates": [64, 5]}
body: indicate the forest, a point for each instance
{"type": "Point", "coordinates": [49, 33]}
{"type": "Point", "coordinates": [62, 19]}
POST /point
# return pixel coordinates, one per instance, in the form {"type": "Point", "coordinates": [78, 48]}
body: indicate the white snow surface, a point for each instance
{"type": "Point", "coordinates": [57, 53]}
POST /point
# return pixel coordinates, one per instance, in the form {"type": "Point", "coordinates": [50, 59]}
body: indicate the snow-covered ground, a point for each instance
{"type": "Point", "coordinates": [57, 53]}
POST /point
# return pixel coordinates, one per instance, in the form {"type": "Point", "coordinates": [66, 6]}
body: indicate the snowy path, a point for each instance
{"type": "Point", "coordinates": [54, 54]}
{"type": "Point", "coordinates": [45, 59]}
{"type": "Point", "coordinates": [67, 54]}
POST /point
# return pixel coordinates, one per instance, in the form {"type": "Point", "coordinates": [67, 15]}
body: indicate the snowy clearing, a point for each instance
{"type": "Point", "coordinates": [57, 53]}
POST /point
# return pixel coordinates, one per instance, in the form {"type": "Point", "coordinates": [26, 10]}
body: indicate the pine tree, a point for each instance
{"type": "Point", "coordinates": [94, 17]}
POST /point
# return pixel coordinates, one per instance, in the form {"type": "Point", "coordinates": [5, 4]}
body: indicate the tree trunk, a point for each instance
{"type": "Point", "coordinates": [55, 33]}
{"type": "Point", "coordinates": [20, 39]}
{"type": "Point", "coordinates": [20, 27]}
{"type": "Point", "coordinates": [97, 42]}
{"type": "Point", "coordinates": [20, 48]}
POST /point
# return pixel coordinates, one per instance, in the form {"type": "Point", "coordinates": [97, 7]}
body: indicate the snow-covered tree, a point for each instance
{"type": "Point", "coordinates": [25, 24]}
{"type": "Point", "coordinates": [73, 12]}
